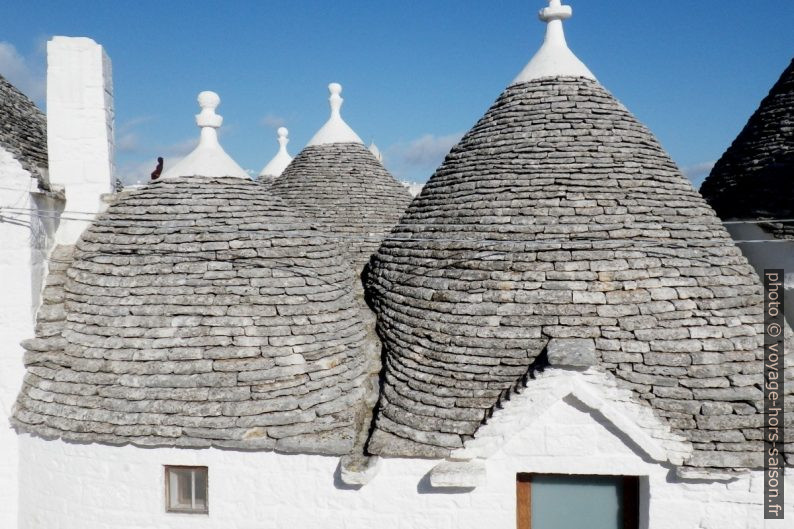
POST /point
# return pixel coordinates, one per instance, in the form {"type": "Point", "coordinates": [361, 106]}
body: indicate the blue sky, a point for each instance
{"type": "Point", "coordinates": [416, 74]}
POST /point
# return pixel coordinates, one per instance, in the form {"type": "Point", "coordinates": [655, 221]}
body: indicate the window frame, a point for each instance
{"type": "Point", "coordinates": [192, 510]}
{"type": "Point", "coordinates": [630, 500]}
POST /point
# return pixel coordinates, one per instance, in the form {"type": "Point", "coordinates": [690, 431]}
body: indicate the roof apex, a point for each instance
{"type": "Point", "coordinates": [208, 158]}
{"type": "Point", "coordinates": [335, 129]}
{"type": "Point", "coordinates": [282, 158]}
{"type": "Point", "coordinates": [554, 58]}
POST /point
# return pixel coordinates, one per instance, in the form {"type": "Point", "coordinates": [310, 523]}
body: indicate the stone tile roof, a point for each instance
{"type": "Point", "coordinates": [23, 129]}
{"type": "Point", "coordinates": [754, 178]}
{"type": "Point", "coordinates": [344, 187]}
{"type": "Point", "coordinates": [559, 220]}
{"type": "Point", "coordinates": [198, 312]}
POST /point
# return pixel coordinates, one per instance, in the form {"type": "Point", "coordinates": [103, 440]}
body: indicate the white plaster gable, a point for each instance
{"type": "Point", "coordinates": [592, 391]}
{"type": "Point", "coordinates": [554, 58]}
{"type": "Point", "coordinates": [209, 158]}
{"type": "Point", "coordinates": [335, 129]}
{"type": "Point", "coordinates": [282, 159]}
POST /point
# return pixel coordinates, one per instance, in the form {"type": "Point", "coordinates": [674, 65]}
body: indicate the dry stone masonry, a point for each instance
{"type": "Point", "coordinates": [23, 129]}
{"type": "Point", "coordinates": [558, 229]}
{"type": "Point", "coordinates": [755, 177]}
{"type": "Point", "coordinates": [344, 188]}
{"type": "Point", "coordinates": [197, 312]}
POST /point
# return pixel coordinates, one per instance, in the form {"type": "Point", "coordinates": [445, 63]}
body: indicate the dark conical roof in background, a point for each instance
{"type": "Point", "coordinates": [755, 177]}
{"type": "Point", "coordinates": [343, 187]}
{"type": "Point", "coordinates": [23, 129]}
{"type": "Point", "coordinates": [559, 220]}
{"type": "Point", "coordinates": [198, 312]}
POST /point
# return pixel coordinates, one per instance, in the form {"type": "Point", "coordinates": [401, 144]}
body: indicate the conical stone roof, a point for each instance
{"type": "Point", "coordinates": [346, 190]}
{"type": "Point", "coordinates": [755, 177]}
{"type": "Point", "coordinates": [339, 183]}
{"type": "Point", "coordinates": [558, 223]}
{"type": "Point", "coordinates": [23, 129]}
{"type": "Point", "coordinates": [198, 312]}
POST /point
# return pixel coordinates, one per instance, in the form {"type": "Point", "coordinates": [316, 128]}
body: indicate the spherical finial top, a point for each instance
{"type": "Point", "coordinates": [335, 89]}
{"type": "Point", "coordinates": [282, 132]}
{"type": "Point", "coordinates": [209, 99]}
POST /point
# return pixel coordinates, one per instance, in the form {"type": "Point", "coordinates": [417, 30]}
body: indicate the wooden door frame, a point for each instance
{"type": "Point", "coordinates": [631, 500]}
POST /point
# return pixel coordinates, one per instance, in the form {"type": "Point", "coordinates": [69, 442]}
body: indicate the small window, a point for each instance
{"type": "Point", "coordinates": [546, 501]}
{"type": "Point", "coordinates": [186, 489]}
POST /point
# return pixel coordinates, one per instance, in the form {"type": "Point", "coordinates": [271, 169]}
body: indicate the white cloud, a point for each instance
{"type": "Point", "coordinates": [128, 142]}
{"type": "Point", "coordinates": [698, 172]}
{"type": "Point", "coordinates": [427, 150]}
{"type": "Point", "coordinates": [273, 121]}
{"type": "Point", "coordinates": [25, 73]}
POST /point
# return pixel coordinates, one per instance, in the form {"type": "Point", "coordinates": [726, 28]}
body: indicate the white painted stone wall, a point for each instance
{"type": "Point", "coordinates": [25, 239]}
{"type": "Point", "coordinates": [91, 486]}
{"type": "Point", "coordinates": [776, 253]}
{"type": "Point", "coordinates": [79, 127]}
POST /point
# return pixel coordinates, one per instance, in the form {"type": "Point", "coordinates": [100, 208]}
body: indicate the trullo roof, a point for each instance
{"type": "Point", "coordinates": [559, 223]}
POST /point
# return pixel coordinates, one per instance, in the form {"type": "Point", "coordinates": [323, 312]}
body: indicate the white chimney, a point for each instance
{"type": "Point", "coordinates": [79, 129]}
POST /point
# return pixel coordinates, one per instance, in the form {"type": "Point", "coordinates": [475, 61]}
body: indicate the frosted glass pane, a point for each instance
{"type": "Point", "coordinates": [577, 502]}
{"type": "Point", "coordinates": [201, 491]}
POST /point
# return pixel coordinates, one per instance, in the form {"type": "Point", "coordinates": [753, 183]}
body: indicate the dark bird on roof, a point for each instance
{"type": "Point", "coordinates": [157, 170]}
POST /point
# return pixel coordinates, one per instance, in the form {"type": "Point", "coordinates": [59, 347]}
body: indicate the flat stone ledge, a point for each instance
{"type": "Point", "coordinates": [571, 352]}
{"type": "Point", "coordinates": [358, 470]}
{"type": "Point", "coordinates": [459, 474]}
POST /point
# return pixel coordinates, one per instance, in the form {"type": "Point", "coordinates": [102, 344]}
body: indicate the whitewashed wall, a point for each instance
{"type": "Point", "coordinates": [775, 253]}
{"type": "Point", "coordinates": [80, 116]}
{"type": "Point", "coordinates": [91, 486]}
{"type": "Point", "coordinates": [25, 239]}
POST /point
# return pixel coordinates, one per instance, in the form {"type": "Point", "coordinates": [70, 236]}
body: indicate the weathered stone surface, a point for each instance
{"type": "Point", "coordinates": [160, 333]}
{"type": "Point", "coordinates": [571, 352]}
{"type": "Point", "coordinates": [345, 190]}
{"type": "Point", "coordinates": [23, 131]}
{"type": "Point", "coordinates": [753, 179]}
{"type": "Point", "coordinates": [560, 217]}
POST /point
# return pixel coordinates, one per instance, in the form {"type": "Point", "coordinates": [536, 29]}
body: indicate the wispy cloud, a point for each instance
{"type": "Point", "coordinates": [698, 172]}
{"type": "Point", "coordinates": [273, 121]}
{"type": "Point", "coordinates": [26, 73]}
{"type": "Point", "coordinates": [418, 158]}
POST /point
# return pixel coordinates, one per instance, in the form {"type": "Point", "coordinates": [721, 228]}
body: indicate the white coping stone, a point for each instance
{"type": "Point", "coordinates": [282, 159]}
{"type": "Point", "coordinates": [208, 158]}
{"type": "Point", "coordinates": [459, 474]}
{"type": "Point", "coordinates": [554, 58]}
{"type": "Point", "coordinates": [335, 129]}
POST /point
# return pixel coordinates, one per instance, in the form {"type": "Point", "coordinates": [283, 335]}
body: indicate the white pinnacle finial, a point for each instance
{"type": "Point", "coordinates": [209, 158]}
{"type": "Point", "coordinates": [375, 151]}
{"type": "Point", "coordinates": [554, 59]}
{"type": "Point", "coordinates": [335, 129]}
{"type": "Point", "coordinates": [281, 160]}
